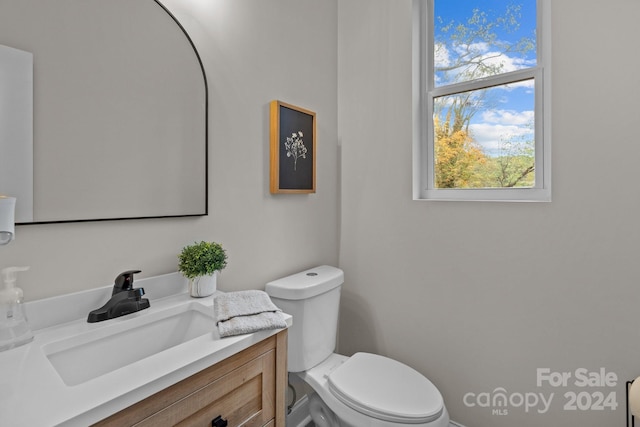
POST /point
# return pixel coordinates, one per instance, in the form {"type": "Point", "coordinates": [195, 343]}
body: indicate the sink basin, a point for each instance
{"type": "Point", "coordinates": [123, 341]}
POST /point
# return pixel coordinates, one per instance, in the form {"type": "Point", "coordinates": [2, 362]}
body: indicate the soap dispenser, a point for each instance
{"type": "Point", "coordinates": [14, 329]}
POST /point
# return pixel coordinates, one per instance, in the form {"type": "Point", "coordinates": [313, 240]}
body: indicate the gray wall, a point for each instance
{"type": "Point", "coordinates": [253, 52]}
{"type": "Point", "coordinates": [478, 296]}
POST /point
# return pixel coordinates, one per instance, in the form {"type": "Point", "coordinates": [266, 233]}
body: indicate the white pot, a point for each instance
{"type": "Point", "coordinates": [203, 286]}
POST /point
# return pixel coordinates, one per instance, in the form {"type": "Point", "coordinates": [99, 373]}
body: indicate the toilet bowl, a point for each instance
{"type": "Point", "coordinates": [321, 414]}
{"type": "Point", "coordinates": [353, 392]}
{"type": "Point", "coordinates": [362, 390]}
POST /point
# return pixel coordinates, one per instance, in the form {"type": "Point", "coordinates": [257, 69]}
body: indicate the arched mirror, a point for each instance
{"type": "Point", "coordinates": [119, 109]}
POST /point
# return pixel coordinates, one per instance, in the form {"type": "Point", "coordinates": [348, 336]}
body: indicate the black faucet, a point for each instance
{"type": "Point", "coordinates": [125, 299]}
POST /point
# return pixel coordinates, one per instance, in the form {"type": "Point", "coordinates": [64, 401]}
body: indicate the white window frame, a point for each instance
{"type": "Point", "coordinates": [425, 91]}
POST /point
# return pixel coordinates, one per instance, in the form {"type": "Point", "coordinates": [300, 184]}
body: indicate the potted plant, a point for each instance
{"type": "Point", "coordinates": [200, 263]}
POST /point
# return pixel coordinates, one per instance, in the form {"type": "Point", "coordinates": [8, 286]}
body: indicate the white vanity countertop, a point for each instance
{"type": "Point", "coordinates": [33, 394]}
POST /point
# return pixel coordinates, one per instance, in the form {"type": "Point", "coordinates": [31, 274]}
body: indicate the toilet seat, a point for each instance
{"type": "Point", "coordinates": [385, 389]}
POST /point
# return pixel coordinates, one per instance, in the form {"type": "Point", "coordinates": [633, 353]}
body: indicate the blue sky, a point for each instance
{"type": "Point", "coordinates": [511, 112]}
{"type": "Point", "coordinates": [460, 10]}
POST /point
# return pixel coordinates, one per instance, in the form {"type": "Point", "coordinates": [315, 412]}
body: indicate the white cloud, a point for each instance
{"type": "Point", "coordinates": [529, 84]}
{"type": "Point", "coordinates": [462, 49]}
{"type": "Point", "coordinates": [500, 126]}
{"type": "Point", "coordinates": [508, 117]}
{"type": "Point", "coordinates": [445, 56]}
{"type": "Point", "coordinates": [509, 63]}
{"type": "Point", "coordinates": [441, 56]}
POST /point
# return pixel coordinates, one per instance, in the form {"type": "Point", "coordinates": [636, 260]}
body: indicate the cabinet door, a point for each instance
{"type": "Point", "coordinates": [247, 389]}
{"type": "Point", "coordinates": [243, 397]}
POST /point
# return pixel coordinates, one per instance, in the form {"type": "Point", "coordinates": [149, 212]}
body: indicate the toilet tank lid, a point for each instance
{"type": "Point", "coordinates": [306, 284]}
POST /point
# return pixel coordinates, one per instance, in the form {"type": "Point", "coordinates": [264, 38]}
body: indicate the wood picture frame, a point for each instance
{"type": "Point", "coordinates": [293, 149]}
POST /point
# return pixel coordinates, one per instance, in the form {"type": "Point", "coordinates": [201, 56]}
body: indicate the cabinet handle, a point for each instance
{"type": "Point", "coordinates": [219, 422]}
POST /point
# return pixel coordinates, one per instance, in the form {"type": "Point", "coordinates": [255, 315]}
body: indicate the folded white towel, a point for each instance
{"type": "Point", "coordinates": [249, 324]}
{"type": "Point", "coordinates": [245, 312]}
{"type": "Point", "coordinates": [242, 303]}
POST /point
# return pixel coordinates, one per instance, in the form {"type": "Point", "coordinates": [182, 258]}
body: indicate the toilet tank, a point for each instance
{"type": "Point", "coordinates": [312, 297]}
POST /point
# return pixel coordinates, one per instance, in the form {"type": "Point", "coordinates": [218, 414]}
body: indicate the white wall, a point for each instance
{"type": "Point", "coordinates": [253, 52]}
{"type": "Point", "coordinates": [477, 296]}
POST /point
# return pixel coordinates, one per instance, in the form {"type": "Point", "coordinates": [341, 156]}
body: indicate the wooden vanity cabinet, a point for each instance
{"type": "Point", "coordinates": [247, 389]}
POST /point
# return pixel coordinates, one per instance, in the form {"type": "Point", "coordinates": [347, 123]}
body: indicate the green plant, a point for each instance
{"type": "Point", "coordinates": [201, 259]}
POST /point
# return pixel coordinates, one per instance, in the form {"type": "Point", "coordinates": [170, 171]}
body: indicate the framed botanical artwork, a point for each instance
{"type": "Point", "coordinates": [293, 149]}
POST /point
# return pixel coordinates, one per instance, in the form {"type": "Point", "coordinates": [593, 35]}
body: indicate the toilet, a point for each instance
{"type": "Point", "coordinates": [362, 390]}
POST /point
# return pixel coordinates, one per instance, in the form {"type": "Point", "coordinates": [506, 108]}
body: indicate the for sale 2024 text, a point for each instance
{"type": "Point", "coordinates": [585, 390]}
{"type": "Point", "coordinates": [585, 400]}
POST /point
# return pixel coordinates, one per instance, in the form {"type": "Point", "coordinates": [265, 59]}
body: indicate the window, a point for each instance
{"type": "Point", "coordinates": [483, 100]}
